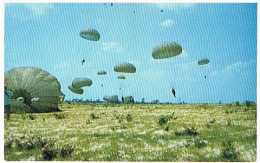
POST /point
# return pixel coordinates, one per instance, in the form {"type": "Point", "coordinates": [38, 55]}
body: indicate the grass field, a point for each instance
{"type": "Point", "coordinates": [134, 132]}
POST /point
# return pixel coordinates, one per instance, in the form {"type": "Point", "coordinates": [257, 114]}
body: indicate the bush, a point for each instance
{"type": "Point", "coordinates": [41, 142]}
{"type": "Point", "coordinates": [129, 118]}
{"type": "Point", "coordinates": [192, 131]}
{"type": "Point", "coordinates": [59, 115]}
{"type": "Point", "coordinates": [31, 117]}
{"type": "Point", "coordinates": [8, 144]}
{"type": "Point", "coordinates": [199, 142]}
{"type": "Point", "coordinates": [166, 128]}
{"type": "Point", "coordinates": [93, 116]}
{"type": "Point", "coordinates": [48, 152]}
{"type": "Point", "coordinates": [228, 150]}
{"type": "Point", "coordinates": [19, 144]}
{"type": "Point", "coordinates": [66, 150]}
{"type": "Point", "coordinates": [162, 120]}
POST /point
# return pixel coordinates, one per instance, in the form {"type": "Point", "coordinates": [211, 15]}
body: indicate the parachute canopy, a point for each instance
{"type": "Point", "coordinates": [81, 82]}
{"type": "Point", "coordinates": [125, 68]}
{"type": "Point", "coordinates": [166, 50]}
{"type": "Point", "coordinates": [77, 91]}
{"type": "Point", "coordinates": [113, 99]}
{"type": "Point", "coordinates": [102, 73]}
{"type": "Point", "coordinates": [203, 61]}
{"type": "Point", "coordinates": [20, 99]}
{"type": "Point", "coordinates": [29, 82]}
{"type": "Point", "coordinates": [90, 34]}
{"type": "Point", "coordinates": [121, 77]}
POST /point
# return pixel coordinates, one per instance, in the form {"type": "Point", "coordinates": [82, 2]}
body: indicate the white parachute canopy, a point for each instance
{"type": "Point", "coordinates": [90, 34]}
{"type": "Point", "coordinates": [29, 82]}
{"type": "Point", "coordinates": [81, 82]}
{"type": "Point", "coordinates": [166, 50]}
{"type": "Point", "coordinates": [125, 68]}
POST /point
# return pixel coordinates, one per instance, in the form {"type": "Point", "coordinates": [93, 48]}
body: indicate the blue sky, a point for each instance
{"type": "Point", "coordinates": [47, 36]}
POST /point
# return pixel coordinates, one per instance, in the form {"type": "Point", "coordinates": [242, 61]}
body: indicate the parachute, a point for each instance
{"type": "Point", "coordinates": [81, 82]}
{"type": "Point", "coordinates": [166, 50]}
{"type": "Point", "coordinates": [125, 68]}
{"type": "Point", "coordinates": [121, 77]}
{"type": "Point", "coordinates": [112, 99]}
{"type": "Point", "coordinates": [102, 73]}
{"type": "Point", "coordinates": [90, 34]}
{"type": "Point", "coordinates": [203, 61]}
{"type": "Point", "coordinates": [20, 99]}
{"type": "Point", "coordinates": [30, 82]}
{"type": "Point", "coordinates": [77, 91]}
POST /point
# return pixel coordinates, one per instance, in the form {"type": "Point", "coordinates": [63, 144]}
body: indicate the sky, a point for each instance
{"type": "Point", "coordinates": [46, 36]}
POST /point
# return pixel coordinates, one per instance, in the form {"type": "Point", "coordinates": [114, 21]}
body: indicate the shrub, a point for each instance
{"type": "Point", "coordinates": [48, 152]}
{"type": "Point", "coordinates": [213, 121]}
{"type": "Point", "coordinates": [199, 142]}
{"type": "Point", "coordinates": [19, 144]}
{"type": "Point", "coordinates": [192, 131]}
{"type": "Point", "coordinates": [31, 117]}
{"type": "Point", "coordinates": [228, 150]}
{"type": "Point", "coordinates": [162, 120]}
{"type": "Point", "coordinates": [41, 142]}
{"type": "Point", "coordinates": [66, 150]}
{"type": "Point", "coordinates": [129, 118]}
{"type": "Point", "coordinates": [93, 116]}
{"type": "Point", "coordinates": [166, 128]}
{"type": "Point", "coordinates": [8, 144]}
{"type": "Point", "coordinates": [59, 115]}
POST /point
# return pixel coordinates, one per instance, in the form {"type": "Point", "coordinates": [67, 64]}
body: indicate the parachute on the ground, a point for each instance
{"type": "Point", "coordinates": [112, 99]}
{"type": "Point", "coordinates": [125, 68]}
{"type": "Point", "coordinates": [35, 99]}
{"type": "Point", "coordinates": [81, 82]}
{"type": "Point", "coordinates": [121, 77]}
{"type": "Point", "coordinates": [29, 82]}
{"type": "Point", "coordinates": [20, 99]}
{"type": "Point", "coordinates": [90, 34]}
{"type": "Point", "coordinates": [77, 91]}
{"type": "Point", "coordinates": [203, 61]}
{"type": "Point", "coordinates": [102, 73]}
{"type": "Point", "coordinates": [166, 50]}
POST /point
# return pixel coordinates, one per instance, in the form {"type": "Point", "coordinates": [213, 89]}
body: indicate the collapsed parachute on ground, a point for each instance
{"type": "Point", "coordinates": [20, 99]}
{"type": "Point", "coordinates": [77, 91]}
{"type": "Point", "coordinates": [121, 77]}
{"type": "Point", "coordinates": [90, 34]}
{"type": "Point", "coordinates": [166, 50]}
{"type": "Point", "coordinates": [29, 82]}
{"type": "Point", "coordinates": [102, 73]}
{"type": "Point", "coordinates": [81, 82]}
{"type": "Point", "coordinates": [203, 61]}
{"type": "Point", "coordinates": [125, 68]}
{"type": "Point", "coordinates": [112, 99]}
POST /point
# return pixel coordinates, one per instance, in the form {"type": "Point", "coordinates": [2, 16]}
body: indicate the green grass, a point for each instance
{"type": "Point", "coordinates": [113, 137]}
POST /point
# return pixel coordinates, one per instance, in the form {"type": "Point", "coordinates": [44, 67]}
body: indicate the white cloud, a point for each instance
{"type": "Point", "coordinates": [28, 11]}
{"type": "Point", "coordinates": [109, 46]}
{"type": "Point", "coordinates": [174, 6]}
{"type": "Point", "coordinates": [167, 23]}
{"type": "Point", "coordinates": [39, 9]}
{"type": "Point", "coordinates": [230, 68]}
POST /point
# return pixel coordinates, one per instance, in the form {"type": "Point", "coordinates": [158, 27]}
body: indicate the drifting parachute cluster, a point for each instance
{"type": "Point", "coordinates": [28, 84]}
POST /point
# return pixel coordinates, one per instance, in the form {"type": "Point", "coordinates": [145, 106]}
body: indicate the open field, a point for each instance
{"type": "Point", "coordinates": [134, 132]}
